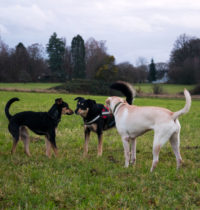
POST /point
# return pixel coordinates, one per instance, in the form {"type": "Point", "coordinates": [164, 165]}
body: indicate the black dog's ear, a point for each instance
{"type": "Point", "coordinates": [58, 101]}
{"type": "Point", "coordinates": [91, 102]}
{"type": "Point", "coordinates": [79, 99]}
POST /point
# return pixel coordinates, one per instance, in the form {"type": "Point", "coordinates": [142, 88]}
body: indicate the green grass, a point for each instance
{"type": "Point", "coordinates": [71, 182]}
{"type": "Point", "coordinates": [167, 88]}
{"type": "Point", "coordinates": [145, 88]}
{"type": "Point", "coordinates": [31, 86]}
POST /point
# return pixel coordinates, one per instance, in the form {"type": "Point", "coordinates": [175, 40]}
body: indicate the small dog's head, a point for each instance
{"type": "Point", "coordinates": [64, 106]}
{"type": "Point", "coordinates": [111, 102]}
{"type": "Point", "coordinates": [83, 106]}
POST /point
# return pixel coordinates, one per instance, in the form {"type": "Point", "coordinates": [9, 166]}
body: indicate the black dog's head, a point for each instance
{"type": "Point", "coordinates": [84, 106]}
{"type": "Point", "coordinates": [64, 106]}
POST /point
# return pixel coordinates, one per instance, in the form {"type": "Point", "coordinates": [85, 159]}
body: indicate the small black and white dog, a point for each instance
{"type": "Point", "coordinates": [97, 117]}
{"type": "Point", "coordinates": [41, 123]}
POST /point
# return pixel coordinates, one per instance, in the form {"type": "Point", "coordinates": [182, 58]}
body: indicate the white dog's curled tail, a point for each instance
{"type": "Point", "coordinates": [186, 108]}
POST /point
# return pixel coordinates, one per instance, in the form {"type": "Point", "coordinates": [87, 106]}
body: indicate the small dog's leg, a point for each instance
{"type": "Point", "coordinates": [87, 137]}
{"type": "Point", "coordinates": [100, 142]}
{"type": "Point", "coordinates": [133, 151]}
{"type": "Point", "coordinates": [48, 148]}
{"type": "Point", "coordinates": [52, 140]}
{"type": "Point", "coordinates": [25, 138]}
{"type": "Point", "coordinates": [175, 142]}
{"type": "Point", "coordinates": [14, 146]}
{"type": "Point", "coordinates": [14, 130]}
{"type": "Point", "coordinates": [126, 146]}
{"type": "Point", "coordinates": [55, 150]}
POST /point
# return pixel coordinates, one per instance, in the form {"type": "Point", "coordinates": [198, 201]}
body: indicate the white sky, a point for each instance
{"type": "Point", "coordinates": [131, 28]}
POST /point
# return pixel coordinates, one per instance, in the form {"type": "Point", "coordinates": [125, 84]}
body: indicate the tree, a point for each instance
{"type": "Point", "coordinates": [126, 72]}
{"type": "Point", "coordinates": [4, 62]}
{"type": "Point", "coordinates": [184, 65]}
{"type": "Point", "coordinates": [161, 69]}
{"type": "Point", "coordinates": [129, 73]}
{"type": "Point", "coordinates": [56, 52]}
{"type": "Point", "coordinates": [78, 57]}
{"type": "Point", "coordinates": [152, 71]}
{"type": "Point", "coordinates": [37, 64]}
{"type": "Point", "coordinates": [95, 56]}
{"type": "Point", "coordinates": [68, 63]}
{"type": "Point", "coordinates": [21, 64]}
{"type": "Point", "coordinates": [142, 69]}
{"type": "Point", "coordinates": [108, 71]}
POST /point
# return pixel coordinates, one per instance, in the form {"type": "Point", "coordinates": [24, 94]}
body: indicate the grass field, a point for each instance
{"type": "Point", "coordinates": [31, 86]}
{"type": "Point", "coordinates": [71, 182]}
{"type": "Point", "coordinates": [145, 88]}
{"type": "Point", "coordinates": [167, 88]}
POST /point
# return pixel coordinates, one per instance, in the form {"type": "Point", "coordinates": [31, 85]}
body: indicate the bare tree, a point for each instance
{"type": "Point", "coordinates": [68, 63]}
{"type": "Point", "coordinates": [184, 60]}
{"type": "Point", "coordinates": [162, 69]}
{"type": "Point", "coordinates": [95, 56]}
{"type": "Point", "coordinates": [37, 64]}
{"type": "Point", "coordinates": [4, 61]}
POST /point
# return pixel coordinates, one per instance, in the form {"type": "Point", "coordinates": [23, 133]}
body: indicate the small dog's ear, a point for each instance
{"type": "Point", "coordinates": [91, 102]}
{"type": "Point", "coordinates": [79, 99]}
{"type": "Point", "coordinates": [58, 101]}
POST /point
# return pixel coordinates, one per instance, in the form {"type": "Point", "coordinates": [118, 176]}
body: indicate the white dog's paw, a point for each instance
{"type": "Point", "coordinates": [126, 165]}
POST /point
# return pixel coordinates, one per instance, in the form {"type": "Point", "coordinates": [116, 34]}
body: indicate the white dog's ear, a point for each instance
{"type": "Point", "coordinates": [108, 101]}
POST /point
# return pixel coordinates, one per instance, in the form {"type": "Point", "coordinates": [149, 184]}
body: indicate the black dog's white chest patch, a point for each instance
{"type": "Point", "coordinates": [92, 127]}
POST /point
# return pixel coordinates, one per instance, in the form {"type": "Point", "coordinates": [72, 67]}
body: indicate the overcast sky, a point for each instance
{"type": "Point", "coordinates": [131, 28]}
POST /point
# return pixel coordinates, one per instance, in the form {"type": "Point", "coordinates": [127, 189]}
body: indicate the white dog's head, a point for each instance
{"type": "Point", "coordinates": [112, 103]}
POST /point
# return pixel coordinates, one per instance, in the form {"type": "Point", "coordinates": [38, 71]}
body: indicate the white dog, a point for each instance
{"type": "Point", "coordinates": [133, 121]}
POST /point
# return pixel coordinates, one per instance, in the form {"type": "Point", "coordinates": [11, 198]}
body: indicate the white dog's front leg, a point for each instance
{"type": "Point", "coordinates": [133, 151]}
{"type": "Point", "coordinates": [125, 141]}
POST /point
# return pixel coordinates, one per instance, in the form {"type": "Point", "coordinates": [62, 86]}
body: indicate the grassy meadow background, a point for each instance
{"type": "Point", "coordinates": [72, 182]}
{"type": "Point", "coordinates": [144, 88]}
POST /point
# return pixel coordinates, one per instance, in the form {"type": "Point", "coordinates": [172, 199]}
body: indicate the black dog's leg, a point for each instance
{"type": "Point", "coordinates": [87, 137]}
{"type": "Point", "coordinates": [100, 144]}
{"type": "Point", "coordinates": [14, 130]}
{"type": "Point", "coordinates": [52, 138]}
{"type": "Point", "coordinates": [25, 138]}
{"type": "Point", "coordinates": [48, 147]}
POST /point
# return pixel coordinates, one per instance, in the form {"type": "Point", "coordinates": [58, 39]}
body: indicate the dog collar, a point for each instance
{"type": "Point", "coordinates": [116, 106]}
{"type": "Point", "coordinates": [93, 120]}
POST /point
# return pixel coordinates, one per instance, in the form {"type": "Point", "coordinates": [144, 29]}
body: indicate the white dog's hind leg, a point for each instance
{"type": "Point", "coordinates": [133, 151]}
{"type": "Point", "coordinates": [126, 146]}
{"type": "Point", "coordinates": [161, 136]}
{"type": "Point", "coordinates": [175, 142]}
{"type": "Point", "coordinates": [156, 151]}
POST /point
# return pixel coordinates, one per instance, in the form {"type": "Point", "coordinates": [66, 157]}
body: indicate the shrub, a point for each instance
{"type": "Point", "coordinates": [157, 89]}
{"type": "Point", "coordinates": [196, 90]}
{"type": "Point", "coordinates": [139, 90]}
{"type": "Point", "coordinates": [93, 87]}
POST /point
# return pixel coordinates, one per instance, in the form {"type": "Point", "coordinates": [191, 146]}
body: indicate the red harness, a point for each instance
{"type": "Point", "coordinates": [105, 112]}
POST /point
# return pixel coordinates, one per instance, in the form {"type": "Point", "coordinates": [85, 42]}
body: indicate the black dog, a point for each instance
{"type": "Point", "coordinates": [97, 117]}
{"type": "Point", "coordinates": [42, 123]}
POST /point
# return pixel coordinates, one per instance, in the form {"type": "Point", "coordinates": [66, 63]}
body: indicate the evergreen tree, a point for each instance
{"type": "Point", "coordinates": [22, 67]}
{"type": "Point", "coordinates": [152, 72]}
{"type": "Point", "coordinates": [56, 52]}
{"type": "Point", "coordinates": [78, 57]}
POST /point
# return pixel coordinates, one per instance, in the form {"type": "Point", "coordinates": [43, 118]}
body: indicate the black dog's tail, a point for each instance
{"type": "Point", "coordinates": [8, 106]}
{"type": "Point", "coordinates": [126, 89]}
